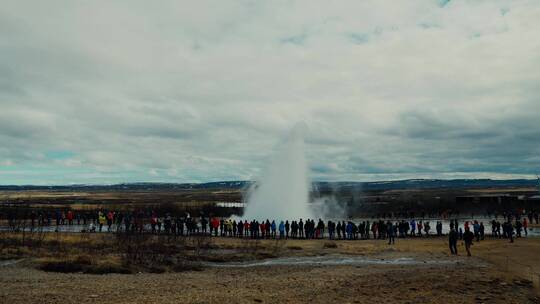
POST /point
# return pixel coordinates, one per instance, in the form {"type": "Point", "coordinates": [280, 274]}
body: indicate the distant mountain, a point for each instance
{"type": "Point", "coordinates": [236, 185]}
{"type": "Point", "coordinates": [131, 186]}
{"type": "Point", "coordinates": [430, 184]}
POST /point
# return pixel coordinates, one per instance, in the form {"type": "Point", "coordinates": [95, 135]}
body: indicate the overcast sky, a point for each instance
{"type": "Point", "coordinates": [194, 91]}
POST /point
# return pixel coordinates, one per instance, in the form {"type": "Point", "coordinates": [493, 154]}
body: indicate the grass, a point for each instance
{"type": "Point", "coordinates": [107, 253]}
{"type": "Point", "coordinates": [83, 264]}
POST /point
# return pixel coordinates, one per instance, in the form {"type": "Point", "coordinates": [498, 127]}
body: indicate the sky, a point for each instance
{"type": "Point", "coordinates": [104, 92]}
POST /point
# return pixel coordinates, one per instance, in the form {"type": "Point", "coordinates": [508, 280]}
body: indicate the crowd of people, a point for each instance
{"type": "Point", "coordinates": [509, 228]}
{"type": "Point", "coordinates": [151, 222]}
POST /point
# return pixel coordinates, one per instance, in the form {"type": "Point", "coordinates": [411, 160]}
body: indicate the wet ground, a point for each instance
{"type": "Point", "coordinates": [336, 260]}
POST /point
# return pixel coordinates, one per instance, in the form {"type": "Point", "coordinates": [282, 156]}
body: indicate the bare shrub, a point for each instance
{"type": "Point", "coordinates": [183, 266]}
{"type": "Point", "coordinates": [108, 268]}
{"type": "Point", "coordinates": [295, 248]}
{"type": "Point", "coordinates": [66, 266]}
{"type": "Point", "coordinates": [330, 245]}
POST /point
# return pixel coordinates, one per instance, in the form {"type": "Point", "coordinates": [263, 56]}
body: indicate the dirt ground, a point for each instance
{"type": "Point", "coordinates": [498, 272]}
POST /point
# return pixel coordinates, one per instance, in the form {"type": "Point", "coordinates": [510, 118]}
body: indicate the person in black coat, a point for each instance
{"type": "Point", "coordinates": [452, 241]}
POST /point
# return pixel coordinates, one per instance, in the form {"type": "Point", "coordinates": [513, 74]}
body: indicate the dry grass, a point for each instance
{"type": "Point", "coordinates": [84, 264]}
{"type": "Point", "coordinates": [182, 278]}
{"type": "Point", "coordinates": [157, 254]}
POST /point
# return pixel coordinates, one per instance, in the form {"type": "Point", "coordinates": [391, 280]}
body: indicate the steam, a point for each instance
{"type": "Point", "coordinates": [324, 203]}
{"type": "Point", "coordinates": [328, 208]}
{"type": "Point", "coordinates": [283, 191]}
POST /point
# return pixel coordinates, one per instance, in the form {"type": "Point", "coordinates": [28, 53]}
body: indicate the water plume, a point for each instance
{"type": "Point", "coordinates": [283, 190]}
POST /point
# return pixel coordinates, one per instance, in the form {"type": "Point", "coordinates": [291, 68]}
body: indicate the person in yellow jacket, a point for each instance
{"type": "Point", "coordinates": [102, 220]}
{"type": "Point", "coordinates": [229, 227]}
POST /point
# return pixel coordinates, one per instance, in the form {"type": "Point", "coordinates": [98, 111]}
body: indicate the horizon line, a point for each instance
{"type": "Point", "coordinates": [252, 181]}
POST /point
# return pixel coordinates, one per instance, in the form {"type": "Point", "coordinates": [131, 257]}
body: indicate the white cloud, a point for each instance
{"type": "Point", "coordinates": [203, 91]}
{"type": "Point", "coordinates": [7, 163]}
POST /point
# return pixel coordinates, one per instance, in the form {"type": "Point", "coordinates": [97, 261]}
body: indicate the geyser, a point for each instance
{"type": "Point", "coordinates": [283, 191]}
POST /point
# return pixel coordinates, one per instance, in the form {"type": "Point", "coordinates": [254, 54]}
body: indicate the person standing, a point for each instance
{"type": "Point", "coordinates": [518, 228]}
{"type": "Point", "coordinates": [110, 219]}
{"type": "Point", "coordinates": [204, 225]}
{"type": "Point", "coordinates": [101, 220]}
{"type": "Point", "coordinates": [510, 231]}
{"type": "Point", "coordinates": [476, 229]}
{"type": "Point", "coordinates": [439, 228]}
{"type": "Point", "coordinates": [281, 229]}
{"type": "Point", "coordinates": [390, 233]}
{"type": "Point", "coordinates": [482, 231]}
{"type": "Point", "coordinates": [273, 228]}
{"type": "Point", "coordinates": [468, 238]}
{"type": "Point", "coordinates": [452, 241]}
{"type": "Point", "coordinates": [70, 217]}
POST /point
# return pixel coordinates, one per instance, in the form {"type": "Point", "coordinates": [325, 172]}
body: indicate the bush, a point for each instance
{"type": "Point", "coordinates": [82, 264]}
{"type": "Point", "coordinates": [108, 268]}
{"type": "Point", "coordinates": [330, 245]}
{"type": "Point", "coordinates": [84, 260]}
{"type": "Point", "coordinates": [67, 266]}
{"type": "Point", "coordinates": [156, 269]}
{"type": "Point", "coordinates": [187, 266]}
{"type": "Point", "coordinates": [295, 248]}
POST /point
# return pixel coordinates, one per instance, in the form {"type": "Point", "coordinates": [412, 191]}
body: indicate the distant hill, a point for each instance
{"type": "Point", "coordinates": [131, 186]}
{"type": "Point", "coordinates": [237, 185]}
{"type": "Point", "coordinates": [431, 184]}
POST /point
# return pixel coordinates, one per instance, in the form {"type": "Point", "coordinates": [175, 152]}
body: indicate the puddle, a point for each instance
{"type": "Point", "coordinates": [332, 260]}
{"type": "Point", "coordinates": [10, 262]}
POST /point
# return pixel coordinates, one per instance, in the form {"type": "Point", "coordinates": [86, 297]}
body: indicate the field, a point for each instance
{"type": "Point", "coordinates": [354, 199]}
{"type": "Point", "coordinates": [48, 267]}
{"type": "Point", "coordinates": [217, 270]}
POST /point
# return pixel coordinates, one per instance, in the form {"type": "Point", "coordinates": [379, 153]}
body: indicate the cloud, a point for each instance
{"type": "Point", "coordinates": [179, 92]}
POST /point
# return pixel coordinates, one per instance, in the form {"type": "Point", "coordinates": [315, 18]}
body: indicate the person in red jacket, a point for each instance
{"type": "Point", "coordinates": [214, 225]}
{"type": "Point", "coordinates": [246, 228]}
{"type": "Point", "coordinates": [70, 217]}
{"type": "Point", "coordinates": [110, 219]}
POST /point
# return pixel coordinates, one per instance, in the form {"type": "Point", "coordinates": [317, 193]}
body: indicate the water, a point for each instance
{"type": "Point", "coordinates": [333, 260]}
{"type": "Point", "coordinates": [283, 191]}
{"type": "Point", "coordinates": [6, 263]}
